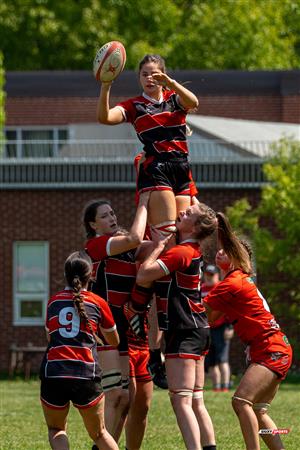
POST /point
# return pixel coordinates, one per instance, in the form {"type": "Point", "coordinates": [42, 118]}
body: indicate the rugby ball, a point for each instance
{"type": "Point", "coordinates": [109, 61]}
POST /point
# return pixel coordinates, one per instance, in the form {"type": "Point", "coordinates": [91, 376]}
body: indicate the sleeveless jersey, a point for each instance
{"type": "Point", "coordinates": [72, 351]}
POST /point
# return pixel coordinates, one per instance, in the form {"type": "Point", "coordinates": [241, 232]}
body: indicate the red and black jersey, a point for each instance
{"type": "Point", "coordinates": [160, 125]}
{"type": "Point", "coordinates": [205, 289]}
{"type": "Point", "coordinates": [72, 350]}
{"type": "Point", "coordinates": [183, 308]}
{"type": "Point", "coordinates": [247, 310]}
{"type": "Point", "coordinates": [113, 276]}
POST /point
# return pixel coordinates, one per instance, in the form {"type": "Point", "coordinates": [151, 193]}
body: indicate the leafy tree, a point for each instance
{"type": "Point", "coordinates": [274, 229]}
{"type": "Point", "coordinates": [2, 98]}
{"type": "Point", "coordinates": [190, 34]}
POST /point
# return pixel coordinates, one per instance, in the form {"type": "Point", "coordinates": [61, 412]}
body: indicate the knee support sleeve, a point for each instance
{"type": "Point", "coordinates": [166, 227]}
{"type": "Point", "coordinates": [141, 297]}
{"type": "Point", "coordinates": [181, 393]}
{"type": "Point", "coordinates": [242, 400]}
{"type": "Point", "coordinates": [261, 407]}
{"type": "Point", "coordinates": [125, 382]}
{"type": "Point", "coordinates": [198, 393]}
{"type": "Point", "coordinates": [111, 379]}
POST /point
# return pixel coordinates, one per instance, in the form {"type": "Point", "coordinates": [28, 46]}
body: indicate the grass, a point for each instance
{"type": "Point", "coordinates": [23, 426]}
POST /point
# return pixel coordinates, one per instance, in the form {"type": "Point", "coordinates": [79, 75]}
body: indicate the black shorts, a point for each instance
{"type": "Point", "coordinates": [157, 175]}
{"type": "Point", "coordinates": [122, 327]}
{"type": "Point", "coordinates": [189, 344]}
{"type": "Point", "coordinates": [56, 393]}
{"type": "Point", "coordinates": [219, 347]}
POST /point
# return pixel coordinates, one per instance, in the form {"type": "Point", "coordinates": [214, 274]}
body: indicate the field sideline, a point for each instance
{"type": "Point", "coordinates": [23, 427]}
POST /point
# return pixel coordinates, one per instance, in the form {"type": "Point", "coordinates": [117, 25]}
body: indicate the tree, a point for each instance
{"type": "Point", "coordinates": [274, 229]}
{"type": "Point", "coordinates": [2, 98]}
{"type": "Point", "coordinates": [190, 34]}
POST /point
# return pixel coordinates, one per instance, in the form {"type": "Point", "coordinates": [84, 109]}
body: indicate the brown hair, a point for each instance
{"type": "Point", "coordinates": [78, 270]}
{"type": "Point", "coordinates": [232, 246]}
{"type": "Point", "coordinates": [153, 58]}
{"type": "Point", "coordinates": [89, 215]}
{"type": "Point", "coordinates": [206, 223]}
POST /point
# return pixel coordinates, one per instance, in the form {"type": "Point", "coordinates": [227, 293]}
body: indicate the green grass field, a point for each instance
{"type": "Point", "coordinates": [22, 424]}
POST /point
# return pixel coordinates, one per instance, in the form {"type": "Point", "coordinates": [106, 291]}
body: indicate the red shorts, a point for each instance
{"type": "Point", "coordinates": [138, 363]}
{"type": "Point", "coordinates": [273, 352]}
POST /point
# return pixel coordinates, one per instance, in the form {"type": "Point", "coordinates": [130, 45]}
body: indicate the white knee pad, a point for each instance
{"type": "Point", "coordinates": [111, 379]}
{"type": "Point", "coordinates": [261, 407]}
{"type": "Point", "coordinates": [166, 228]}
{"type": "Point", "coordinates": [181, 393]}
{"type": "Point", "coordinates": [198, 393]}
{"type": "Point", "coordinates": [242, 400]}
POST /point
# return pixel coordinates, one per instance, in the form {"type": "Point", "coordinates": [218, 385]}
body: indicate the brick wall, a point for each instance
{"type": "Point", "coordinates": [55, 216]}
{"type": "Point", "coordinates": [66, 110]}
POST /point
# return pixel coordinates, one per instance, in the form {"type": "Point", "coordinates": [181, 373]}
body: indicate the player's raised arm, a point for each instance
{"type": "Point", "coordinates": [186, 98]}
{"type": "Point", "coordinates": [105, 114]}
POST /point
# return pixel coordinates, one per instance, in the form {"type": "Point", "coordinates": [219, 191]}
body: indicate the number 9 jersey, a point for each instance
{"type": "Point", "coordinates": [72, 349]}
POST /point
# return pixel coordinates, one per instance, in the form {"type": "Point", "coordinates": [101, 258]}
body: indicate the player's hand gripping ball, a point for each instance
{"type": "Point", "coordinates": [109, 61]}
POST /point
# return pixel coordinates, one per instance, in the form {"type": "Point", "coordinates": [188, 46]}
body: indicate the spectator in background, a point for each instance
{"type": "Point", "coordinates": [217, 360]}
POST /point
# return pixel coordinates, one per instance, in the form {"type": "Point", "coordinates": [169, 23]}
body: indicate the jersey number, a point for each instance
{"type": "Point", "coordinates": [69, 321]}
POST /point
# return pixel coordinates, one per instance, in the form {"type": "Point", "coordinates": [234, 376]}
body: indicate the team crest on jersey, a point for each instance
{"type": "Point", "coordinates": [285, 340]}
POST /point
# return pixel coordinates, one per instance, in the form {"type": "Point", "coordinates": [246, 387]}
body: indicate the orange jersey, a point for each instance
{"type": "Point", "coordinates": [238, 297]}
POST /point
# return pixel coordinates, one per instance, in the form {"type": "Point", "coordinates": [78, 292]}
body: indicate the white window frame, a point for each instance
{"type": "Point", "coordinates": [18, 129]}
{"type": "Point", "coordinates": [19, 296]}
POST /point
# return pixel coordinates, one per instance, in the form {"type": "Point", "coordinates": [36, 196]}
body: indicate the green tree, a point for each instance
{"type": "Point", "coordinates": [274, 229]}
{"type": "Point", "coordinates": [2, 100]}
{"type": "Point", "coordinates": [190, 34]}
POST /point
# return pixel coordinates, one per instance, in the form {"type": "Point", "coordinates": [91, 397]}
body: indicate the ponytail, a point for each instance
{"type": "Point", "coordinates": [232, 246]}
{"type": "Point", "coordinates": [78, 270]}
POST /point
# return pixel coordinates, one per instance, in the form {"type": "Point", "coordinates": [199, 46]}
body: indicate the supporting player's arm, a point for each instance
{"type": "Point", "coordinates": [133, 239]}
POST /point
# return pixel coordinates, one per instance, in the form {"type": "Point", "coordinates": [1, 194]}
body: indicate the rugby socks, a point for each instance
{"type": "Point", "coordinates": [210, 447]}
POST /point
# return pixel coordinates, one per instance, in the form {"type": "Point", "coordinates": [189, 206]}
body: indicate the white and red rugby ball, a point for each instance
{"type": "Point", "coordinates": [109, 61]}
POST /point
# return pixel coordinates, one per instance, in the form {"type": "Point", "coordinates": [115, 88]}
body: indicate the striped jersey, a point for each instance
{"type": "Point", "coordinates": [160, 125]}
{"type": "Point", "coordinates": [113, 276]}
{"type": "Point", "coordinates": [178, 294]}
{"type": "Point", "coordinates": [72, 351]}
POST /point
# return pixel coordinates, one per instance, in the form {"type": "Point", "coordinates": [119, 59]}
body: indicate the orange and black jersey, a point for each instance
{"type": "Point", "coordinates": [113, 276]}
{"type": "Point", "coordinates": [160, 125]}
{"type": "Point", "coordinates": [72, 351]}
{"type": "Point", "coordinates": [246, 309]}
{"type": "Point", "coordinates": [178, 294]}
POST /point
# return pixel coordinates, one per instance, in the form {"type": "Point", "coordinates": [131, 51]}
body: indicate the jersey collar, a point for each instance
{"type": "Point", "coordinates": [153, 100]}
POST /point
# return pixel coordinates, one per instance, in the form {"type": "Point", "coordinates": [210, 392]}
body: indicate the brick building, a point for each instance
{"type": "Point", "coordinates": [41, 199]}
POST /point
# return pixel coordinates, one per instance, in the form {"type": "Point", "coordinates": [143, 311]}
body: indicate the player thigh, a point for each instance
{"type": "Point", "coordinates": [55, 400]}
{"type": "Point", "coordinates": [183, 349]}
{"type": "Point", "coordinates": [162, 207]}
{"type": "Point", "coordinates": [93, 418]}
{"type": "Point", "coordinates": [258, 382]}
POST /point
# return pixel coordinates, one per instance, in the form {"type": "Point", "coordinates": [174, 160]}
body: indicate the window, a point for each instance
{"type": "Point", "coordinates": [34, 142]}
{"type": "Point", "coordinates": [30, 282]}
